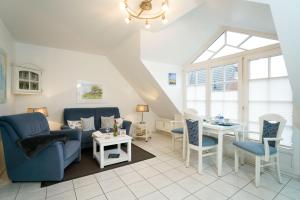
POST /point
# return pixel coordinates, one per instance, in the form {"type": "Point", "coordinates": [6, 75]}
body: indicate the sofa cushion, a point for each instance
{"type": "Point", "coordinates": [88, 124]}
{"type": "Point", "coordinates": [107, 122]}
{"type": "Point", "coordinates": [76, 124]}
{"type": "Point", "coordinates": [70, 148]}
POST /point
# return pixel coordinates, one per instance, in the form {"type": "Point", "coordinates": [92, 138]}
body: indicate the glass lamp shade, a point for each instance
{"type": "Point", "coordinates": [42, 110]}
{"type": "Point", "coordinates": [142, 108]}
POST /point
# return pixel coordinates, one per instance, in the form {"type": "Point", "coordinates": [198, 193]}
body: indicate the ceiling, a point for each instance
{"type": "Point", "coordinates": [92, 26]}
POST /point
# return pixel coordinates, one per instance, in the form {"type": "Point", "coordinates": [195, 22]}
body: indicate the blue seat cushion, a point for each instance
{"type": "Point", "coordinates": [209, 141]}
{"type": "Point", "coordinates": [71, 147]}
{"type": "Point", "coordinates": [253, 147]}
{"type": "Point", "coordinates": [177, 130]}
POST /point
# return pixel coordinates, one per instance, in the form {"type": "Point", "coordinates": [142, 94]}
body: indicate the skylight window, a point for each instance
{"type": "Point", "coordinates": [230, 43]}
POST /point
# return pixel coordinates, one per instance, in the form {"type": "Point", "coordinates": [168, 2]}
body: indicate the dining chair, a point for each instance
{"type": "Point", "coordinates": [177, 128]}
{"type": "Point", "coordinates": [203, 144]}
{"type": "Point", "coordinates": [270, 129]}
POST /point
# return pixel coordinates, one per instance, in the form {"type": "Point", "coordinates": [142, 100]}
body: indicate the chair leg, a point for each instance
{"type": "Point", "coordinates": [278, 169]}
{"type": "Point", "coordinates": [257, 171]}
{"type": "Point", "coordinates": [187, 162]}
{"type": "Point", "coordinates": [236, 159]}
{"type": "Point", "coordinates": [199, 161]}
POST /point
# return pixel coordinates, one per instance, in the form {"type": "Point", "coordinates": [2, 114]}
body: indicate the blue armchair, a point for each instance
{"type": "Point", "coordinates": [47, 165]}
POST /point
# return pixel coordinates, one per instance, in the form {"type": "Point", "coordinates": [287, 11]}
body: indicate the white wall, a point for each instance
{"type": "Point", "coordinates": [62, 69]}
{"type": "Point", "coordinates": [160, 73]}
{"type": "Point", "coordinates": [6, 46]}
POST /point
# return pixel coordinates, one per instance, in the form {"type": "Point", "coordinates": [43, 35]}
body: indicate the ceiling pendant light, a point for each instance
{"type": "Point", "coordinates": [148, 10]}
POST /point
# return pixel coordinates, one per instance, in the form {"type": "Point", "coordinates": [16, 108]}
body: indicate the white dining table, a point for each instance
{"type": "Point", "coordinates": [219, 131]}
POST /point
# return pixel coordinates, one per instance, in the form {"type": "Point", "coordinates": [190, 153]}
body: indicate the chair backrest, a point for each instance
{"type": "Point", "coordinates": [193, 127]}
{"type": "Point", "coordinates": [25, 125]}
{"type": "Point", "coordinates": [273, 119]}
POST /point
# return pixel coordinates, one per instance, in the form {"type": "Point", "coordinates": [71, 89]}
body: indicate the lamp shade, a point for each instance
{"type": "Point", "coordinates": [142, 108]}
{"type": "Point", "coordinates": [42, 110]}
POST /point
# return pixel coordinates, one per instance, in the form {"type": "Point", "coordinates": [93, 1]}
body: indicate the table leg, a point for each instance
{"type": "Point", "coordinates": [101, 156]}
{"type": "Point", "coordinates": [220, 153]}
{"type": "Point", "coordinates": [129, 151]}
{"type": "Point", "coordinates": [94, 148]}
{"type": "Point", "coordinates": [119, 147]}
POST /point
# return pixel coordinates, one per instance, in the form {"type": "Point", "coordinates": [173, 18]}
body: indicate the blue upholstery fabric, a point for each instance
{"type": "Point", "coordinates": [192, 127]}
{"type": "Point", "coordinates": [77, 113]}
{"type": "Point", "coordinates": [253, 147]}
{"type": "Point", "coordinates": [270, 131]}
{"type": "Point", "coordinates": [70, 148]}
{"type": "Point", "coordinates": [177, 130]}
{"type": "Point", "coordinates": [47, 165]}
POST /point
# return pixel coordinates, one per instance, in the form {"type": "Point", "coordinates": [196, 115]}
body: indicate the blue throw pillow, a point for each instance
{"type": "Point", "coordinates": [270, 130]}
{"type": "Point", "coordinates": [192, 128]}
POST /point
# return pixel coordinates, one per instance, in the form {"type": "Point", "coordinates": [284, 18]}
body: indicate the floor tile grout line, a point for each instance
{"type": "Point", "coordinates": [283, 189]}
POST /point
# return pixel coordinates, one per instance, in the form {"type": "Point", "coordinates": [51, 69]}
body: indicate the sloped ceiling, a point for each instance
{"type": "Point", "coordinates": [179, 41]}
{"type": "Point", "coordinates": [91, 26]}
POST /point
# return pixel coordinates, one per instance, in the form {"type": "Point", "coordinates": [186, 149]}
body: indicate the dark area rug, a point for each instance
{"type": "Point", "coordinates": [88, 165]}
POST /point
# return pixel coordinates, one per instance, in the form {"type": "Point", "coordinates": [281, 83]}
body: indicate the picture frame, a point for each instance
{"type": "Point", "coordinates": [3, 68]}
{"type": "Point", "coordinates": [89, 92]}
{"type": "Point", "coordinates": [172, 78]}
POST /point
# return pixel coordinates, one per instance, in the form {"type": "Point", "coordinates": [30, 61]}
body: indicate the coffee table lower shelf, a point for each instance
{"type": "Point", "coordinates": [110, 161]}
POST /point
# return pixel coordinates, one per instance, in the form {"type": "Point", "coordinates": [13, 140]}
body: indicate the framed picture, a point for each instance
{"type": "Point", "coordinates": [172, 78]}
{"type": "Point", "coordinates": [2, 77]}
{"type": "Point", "coordinates": [89, 92]}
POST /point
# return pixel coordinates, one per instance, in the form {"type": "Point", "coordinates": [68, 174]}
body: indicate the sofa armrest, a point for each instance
{"type": "Point", "coordinates": [73, 134]}
{"type": "Point", "coordinates": [126, 125]}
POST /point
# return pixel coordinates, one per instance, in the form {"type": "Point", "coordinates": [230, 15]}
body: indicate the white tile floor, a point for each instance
{"type": "Point", "coordinates": [161, 178]}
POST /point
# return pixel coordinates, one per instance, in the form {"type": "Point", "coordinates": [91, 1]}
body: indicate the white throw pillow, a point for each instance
{"type": "Point", "coordinates": [119, 122]}
{"type": "Point", "coordinates": [88, 124]}
{"type": "Point", "coordinates": [107, 122]}
{"type": "Point", "coordinates": [74, 124]}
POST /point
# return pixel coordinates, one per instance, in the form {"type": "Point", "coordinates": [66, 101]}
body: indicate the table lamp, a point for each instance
{"type": "Point", "coordinates": [42, 110]}
{"type": "Point", "coordinates": [142, 108]}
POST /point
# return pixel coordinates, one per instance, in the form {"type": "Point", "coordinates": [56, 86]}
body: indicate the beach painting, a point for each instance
{"type": "Point", "coordinates": [172, 78]}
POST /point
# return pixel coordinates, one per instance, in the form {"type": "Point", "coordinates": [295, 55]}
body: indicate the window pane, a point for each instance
{"type": "Point", "coordinates": [259, 68]}
{"type": "Point", "coordinates": [259, 90]}
{"type": "Point", "coordinates": [235, 39]}
{"type": "Point", "coordinates": [287, 136]}
{"type": "Point", "coordinates": [231, 73]}
{"type": "Point", "coordinates": [191, 78]}
{"type": "Point", "coordinates": [218, 74]}
{"type": "Point", "coordinates": [257, 109]}
{"type": "Point", "coordinates": [216, 46]}
{"type": "Point", "coordinates": [201, 77]}
{"type": "Point", "coordinates": [227, 109]}
{"type": "Point", "coordinates": [227, 50]}
{"type": "Point", "coordinates": [283, 109]}
{"type": "Point", "coordinates": [200, 106]}
{"type": "Point", "coordinates": [200, 92]}
{"type": "Point", "coordinates": [204, 56]}
{"type": "Point", "coordinates": [278, 67]}
{"type": "Point", "coordinates": [280, 89]}
{"type": "Point", "coordinates": [256, 42]}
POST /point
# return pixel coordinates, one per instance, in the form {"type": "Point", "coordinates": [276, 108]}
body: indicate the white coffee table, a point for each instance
{"type": "Point", "coordinates": [108, 139]}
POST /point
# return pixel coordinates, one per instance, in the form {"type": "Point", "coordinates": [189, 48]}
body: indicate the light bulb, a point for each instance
{"type": "Point", "coordinates": [164, 7]}
{"type": "Point", "coordinates": [123, 5]}
{"type": "Point", "coordinates": [164, 19]}
{"type": "Point", "coordinates": [127, 20]}
{"type": "Point", "coordinates": [147, 25]}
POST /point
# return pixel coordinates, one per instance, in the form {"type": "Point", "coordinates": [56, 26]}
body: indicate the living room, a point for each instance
{"type": "Point", "coordinates": [138, 85]}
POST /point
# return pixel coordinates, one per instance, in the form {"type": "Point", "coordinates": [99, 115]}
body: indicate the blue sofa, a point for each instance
{"type": "Point", "coordinates": [73, 114]}
{"type": "Point", "coordinates": [46, 165]}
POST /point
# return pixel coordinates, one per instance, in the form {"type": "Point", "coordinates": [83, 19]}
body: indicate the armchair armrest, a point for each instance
{"type": "Point", "coordinates": [267, 147]}
{"type": "Point", "coordinates": [73, 134]}
{"type": "Point", "coordinates": [126, 125]}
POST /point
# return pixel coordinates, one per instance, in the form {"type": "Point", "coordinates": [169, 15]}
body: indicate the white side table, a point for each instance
{"type": "Point", "coordinates": [142, 131]}
{"type": "Point", "coordinates": [102, 155]}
